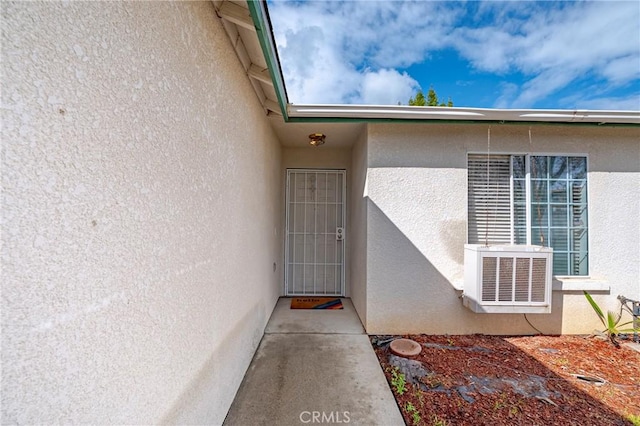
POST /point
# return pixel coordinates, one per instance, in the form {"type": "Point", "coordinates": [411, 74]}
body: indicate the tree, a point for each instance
{"type": "Point", "coordinates": [430, 100]}
{"type": "Point", "coordinates": [432, 97]}
{"type": "Point", "coordinates": [418, 100]}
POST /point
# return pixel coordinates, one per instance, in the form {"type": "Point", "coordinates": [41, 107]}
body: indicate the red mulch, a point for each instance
{"type": "Point", "coordinates": [532, 380]}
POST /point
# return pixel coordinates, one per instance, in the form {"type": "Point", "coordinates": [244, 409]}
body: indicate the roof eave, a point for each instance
{"type": "Point", "coordinates": [264, 32]}
{"type": "Point", "coordinates": [416, 113]}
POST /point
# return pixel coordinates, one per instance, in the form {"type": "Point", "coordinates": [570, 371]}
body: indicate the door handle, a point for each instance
{"type": "Point", "coordinates": [339, 234]}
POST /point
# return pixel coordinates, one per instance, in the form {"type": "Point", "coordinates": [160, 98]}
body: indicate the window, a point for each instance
{"type": "Point", "coordinates": [531, 199]}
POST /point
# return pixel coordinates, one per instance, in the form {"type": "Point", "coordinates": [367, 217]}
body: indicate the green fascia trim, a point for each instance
{"type": "Point", "coordinates": [435, 121]}
{"type": "Point", "coordinates": [260, 16]}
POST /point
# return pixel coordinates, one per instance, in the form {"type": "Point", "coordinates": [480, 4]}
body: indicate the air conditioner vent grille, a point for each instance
{"type": "Point", "coordinates": [505, 285]}
{"type": "Point", "coordinates": [508, 278]}
{"type": "Point", "coordinates": [522, 279]}
{"type": "Point", "coordinates": [538, 279]}
{"type": "Point", "coordinates": [489, 268]}
{"type": "Point", "coordinates": [524, 284]}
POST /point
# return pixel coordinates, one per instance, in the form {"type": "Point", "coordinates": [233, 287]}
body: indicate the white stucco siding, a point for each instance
{"type": "Point", "coordinates": [140, 214]}
{"type": "Point", "coordinates": [358, 204]}
{"type": "Point", "coordinates": [417, 186]}
{"type": "Point", "coordinates": [322, 157]}
{"type": "Point", "coordinates": [614, 213]}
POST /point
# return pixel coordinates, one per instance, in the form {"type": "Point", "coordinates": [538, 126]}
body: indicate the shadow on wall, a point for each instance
{"type": "Point", "coordinates": [212, 389]}
{"type": "Point", "coordinates": [408, 294]}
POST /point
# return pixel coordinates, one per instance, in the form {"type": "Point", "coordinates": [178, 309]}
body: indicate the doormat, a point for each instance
{"type": "Point", "coordinates": [316, 303]}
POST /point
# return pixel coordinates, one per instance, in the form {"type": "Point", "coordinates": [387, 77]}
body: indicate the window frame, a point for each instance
{"type": "Point", "coordinates": [528, 203]}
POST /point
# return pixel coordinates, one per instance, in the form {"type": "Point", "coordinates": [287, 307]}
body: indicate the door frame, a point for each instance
{"type": "Point", "coordinates": [342, 259]}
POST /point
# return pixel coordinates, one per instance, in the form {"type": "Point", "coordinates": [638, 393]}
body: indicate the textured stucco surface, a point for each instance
{"type": "Point", "coordinates": [322, 157]}
{"type": "Point", "coordinates": [358, 231]}
{"type": "Point", "coordinates": [416, 221]}
{"type": "Point", "coordinates": [140, 214]}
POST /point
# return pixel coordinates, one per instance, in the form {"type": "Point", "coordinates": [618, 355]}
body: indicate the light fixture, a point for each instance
{"type": "Point", "coordinates": [316, 139]}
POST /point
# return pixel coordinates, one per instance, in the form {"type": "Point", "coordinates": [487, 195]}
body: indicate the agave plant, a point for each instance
{"type": "Point", "coordinates": [610, 321]}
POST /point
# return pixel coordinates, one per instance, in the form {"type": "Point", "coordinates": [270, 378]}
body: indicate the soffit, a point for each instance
{"type": "Point", "coordinates": [296, 135]}
{"type": "Point", "coordinates": [240, 28]}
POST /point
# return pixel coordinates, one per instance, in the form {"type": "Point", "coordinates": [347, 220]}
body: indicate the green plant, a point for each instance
{"type": "Point", "coordinates": [437, 421]}
{"type": "Point", "coordinates": [610, 321]}
{"type": "Point", "coordinates": [419, 395]}
{"type": "Point", "coordinates": [415, 415]}
{"type": "Point", "coordinates": [501, 402]}
{"type": "Point", "coordinates": [398, 381]}
{"type": "Point", "coordinates": [634, 418]}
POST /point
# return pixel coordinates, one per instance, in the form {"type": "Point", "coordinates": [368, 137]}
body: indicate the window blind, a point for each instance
{"type": "Point", "coordinates": [489, 199]}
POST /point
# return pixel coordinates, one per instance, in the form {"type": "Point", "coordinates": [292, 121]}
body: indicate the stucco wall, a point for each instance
{"type": "Point", "coordinates": [322, 157]}
{"type": "Point", "coordinates": [140, 214]}
{"type": "Point", "coordinates": [358, 201]}
{"type": "Point", "coordinates": [417, 224]}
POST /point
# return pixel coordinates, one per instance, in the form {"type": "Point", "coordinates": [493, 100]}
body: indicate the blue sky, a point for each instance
{"type": "Point", "coordinates": [489, 54]}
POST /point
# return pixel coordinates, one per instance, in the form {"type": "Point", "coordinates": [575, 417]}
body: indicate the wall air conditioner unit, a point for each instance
{"type": "Point", "coordinates": [508, 279]}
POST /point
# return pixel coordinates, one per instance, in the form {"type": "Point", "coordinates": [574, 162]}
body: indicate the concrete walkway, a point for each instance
{"type": "Point", "coordinates": [314, 367]}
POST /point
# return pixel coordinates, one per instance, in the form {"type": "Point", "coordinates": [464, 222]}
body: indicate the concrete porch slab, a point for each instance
{"type": "Point", "coordinates": [633, 345]}
{"type": "Point", "coordinates": [314, 367]}
{"type": "Point", "coordinates": [295, 377]}
{"type": "Point", "coordinates": [340, 321]}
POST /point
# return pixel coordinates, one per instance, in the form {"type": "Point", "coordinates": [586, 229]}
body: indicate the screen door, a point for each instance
{"type": "Point", "coordinates": [314, 246]}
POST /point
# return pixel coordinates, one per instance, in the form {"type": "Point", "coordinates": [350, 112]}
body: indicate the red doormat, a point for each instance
{"type": "Point", "coordinates": [316, 303]}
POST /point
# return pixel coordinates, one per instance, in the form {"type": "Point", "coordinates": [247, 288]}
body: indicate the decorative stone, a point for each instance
{"type": "Point", "coordinates": [412, 369]}
{"type": "Point", "coordinates": [405, 347]}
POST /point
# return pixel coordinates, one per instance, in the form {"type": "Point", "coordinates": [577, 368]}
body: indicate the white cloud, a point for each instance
{"type": "Point", "coordinates": [387, 87]}
{"type": "Point", "coordinates": [314, 72]}
{"type": "Point", "coordinates": [544, 84]}
{"type": "Point", "coordinates": [620, 103]}
{"type": "Point", "coordinates": [631, 103]}
{"type": "Point", "coordinates": [623, 69]}
{"type": "Point", "coordinates": [508, 91]}
{"type": "Point", "coordinates": [555, 47]}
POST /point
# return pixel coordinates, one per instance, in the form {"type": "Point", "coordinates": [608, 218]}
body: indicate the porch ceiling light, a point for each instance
{"type": "Point", "coordinates": [316, 139]}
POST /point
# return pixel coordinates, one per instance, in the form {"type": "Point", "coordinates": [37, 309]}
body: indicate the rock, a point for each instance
{"type": "Point", "coordinates": [413, 370]}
